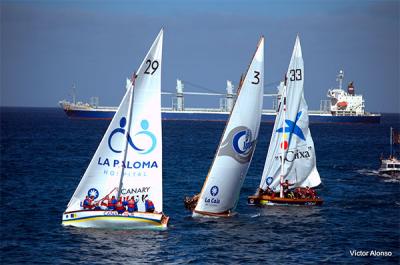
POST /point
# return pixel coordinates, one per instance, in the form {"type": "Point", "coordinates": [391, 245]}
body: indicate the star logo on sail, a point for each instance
{"type": "Point", "coordinates": [291, 128]}
{"type": "Point", "coordinates": [93, 192]}
{"type": "Point", "coordinates": [144, 124]}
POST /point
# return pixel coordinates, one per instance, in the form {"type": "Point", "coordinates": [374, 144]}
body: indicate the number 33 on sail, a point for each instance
{"type": "Point", "coordinates": [291, 159]}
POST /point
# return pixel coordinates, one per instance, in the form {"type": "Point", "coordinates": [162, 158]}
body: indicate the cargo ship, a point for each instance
{"type": "Point", "coordinates": [340, 107]}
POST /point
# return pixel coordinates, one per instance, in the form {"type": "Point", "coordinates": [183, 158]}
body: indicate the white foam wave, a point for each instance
{"type": "Point", "coordinates": [368, 172]}
{"type": "Point", "coordinates": [385, 177]}
{"type": "Point", "coordinates": [392, 180]}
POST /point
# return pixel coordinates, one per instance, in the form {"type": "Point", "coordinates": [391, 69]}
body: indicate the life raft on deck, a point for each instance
{"type": "Point", "coordinates": [276, 200]}
{"type": "Point", "coordinates": [342, 105]}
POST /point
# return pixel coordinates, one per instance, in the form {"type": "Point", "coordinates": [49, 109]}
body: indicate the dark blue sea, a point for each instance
{"type": "Point", "coordinates": [44, 154]}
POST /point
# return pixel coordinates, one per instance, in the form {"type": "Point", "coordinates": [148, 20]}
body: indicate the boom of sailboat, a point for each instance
{"type": "Point", "coordinates": [122, 185]}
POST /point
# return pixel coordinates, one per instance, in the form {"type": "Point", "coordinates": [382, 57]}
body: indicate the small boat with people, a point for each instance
{"type": "Point", "coordinates": [221, 189]}
{"type": "Point", "coordinates": [391, 166]}
{"type": "Point", "coordinates": [298, 196]}
{"type": "Point", "coordinates": [290, 172]}
{"type": "Point", "coordinates": [122, 186]}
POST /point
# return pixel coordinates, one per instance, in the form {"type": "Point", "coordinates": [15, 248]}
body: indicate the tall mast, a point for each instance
{"type": "Point", "coordinates": [128, 128]}
{"type": "Point", "coordinates": [73, 93]}
{"type": "Point", "coordinates": [283, 137]}
{"type": "Point", "coordinates": [339, 78]}
{"type": "Point", "coordinates": [391, 142]}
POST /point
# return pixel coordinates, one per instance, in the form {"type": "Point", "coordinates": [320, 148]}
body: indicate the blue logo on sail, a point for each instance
{"type": "Point", "coordinates": [214, 191]}
{"type": "Point", "coordinates": [269, 181]}
{"type": "Point", "coordinates": [292, 128]}
{"type": "Point", "coordinates": [238, 144]}
{"type": "Point", "coordinates": [242, 146]}
{"type": "Point", "coordinates": [144, 125]}
{"type": "Point", "coordinates": [93, 192]}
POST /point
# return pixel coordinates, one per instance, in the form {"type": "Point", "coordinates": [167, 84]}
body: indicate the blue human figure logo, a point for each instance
{"type": "Point", "coordinates": [144, 125]}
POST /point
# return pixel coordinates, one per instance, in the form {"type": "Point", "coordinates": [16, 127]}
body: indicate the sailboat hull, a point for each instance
{"type": "Point", "coordinates": [197, 214]}
{"type": "Point", "coordinates": [113, 220]}
{"type": "Point", "coordinates": [268, 200]}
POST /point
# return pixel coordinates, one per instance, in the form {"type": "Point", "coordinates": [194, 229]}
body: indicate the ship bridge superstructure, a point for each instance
{"type": "Point", "coordinates": [345, 102]}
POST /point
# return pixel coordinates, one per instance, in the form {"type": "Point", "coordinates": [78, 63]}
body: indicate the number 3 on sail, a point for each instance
{"type": "Point", "coordinates": [290, 167]}
{"type": "Point", "coordinates": [122, 186]}
{"type": "Point", "coordinates": [221, 188]}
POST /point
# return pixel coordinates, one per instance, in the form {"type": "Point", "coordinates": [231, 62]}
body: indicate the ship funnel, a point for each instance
{"type": "Point", "coordinates": [179, 94]}
{"type": "Point", "coordinates": [229, 95]}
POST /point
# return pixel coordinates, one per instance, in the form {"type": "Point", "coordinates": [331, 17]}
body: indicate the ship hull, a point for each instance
{"type": "Point", "coordinates": [99, 114]}
{"type": "Point", "coordinates": [90, 114]}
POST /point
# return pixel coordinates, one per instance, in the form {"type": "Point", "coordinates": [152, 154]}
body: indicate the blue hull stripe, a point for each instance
{"type": "Point", "coordinates": [111, 216]}
{"type": "Point", "coordinates": [107, 115]}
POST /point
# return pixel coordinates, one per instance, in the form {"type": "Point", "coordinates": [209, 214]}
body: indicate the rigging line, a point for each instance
{"type": "Point", "coordinates": [199, 86]}
{"type": "Point", "coordinates": [215, 91]}
{"type": "Point", "coordinates": [272, 84]}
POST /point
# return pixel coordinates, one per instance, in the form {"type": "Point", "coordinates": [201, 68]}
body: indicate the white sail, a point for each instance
{"type": "Point", "coordinates": [221, 189]}
{"type": "Point", "coordinates": [291, 137]}
{"type": "Point", "coordinates": [143, 178]}
{"type": "Point", "coordinates": [132, 144]}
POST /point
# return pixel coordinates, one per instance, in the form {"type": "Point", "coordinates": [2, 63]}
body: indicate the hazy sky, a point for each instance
{"type": "Point", "coordinates": [48, 45]}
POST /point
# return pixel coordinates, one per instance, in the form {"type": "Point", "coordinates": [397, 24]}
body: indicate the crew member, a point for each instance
{"type": "Point", "coordinates": [125, 201]}
{"type": "Point", "coordinates": [91, 202]}
{"type": "Point", "coordinates": [310, 193]}
{"type": "Point", "coordinates": [299, 193]}
{"type": "Point", "coordinates": [132, 207]}
{"type": "Point", "coordinates": [285, 186]}
{"type": "Point", "coordinates": [119, 207]}
{"type": "Point", "coordinates": [86, 203]}
{"type": "Point", "coordinates": [191, 202]}
{"type": "Point", "coordinates": [149, 206]}
{"type": "Point", "coordinates": [104, 203]}
{"type": "Point", "coordinates": [111, 203]}
{"type": "Point", "coordinates": [268, 191]}
{"type": "Point", "coordinates": [259, 192]}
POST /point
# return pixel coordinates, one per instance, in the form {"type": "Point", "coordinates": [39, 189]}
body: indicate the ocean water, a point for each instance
{"type": "Point", "coordinates": [44, 154]}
